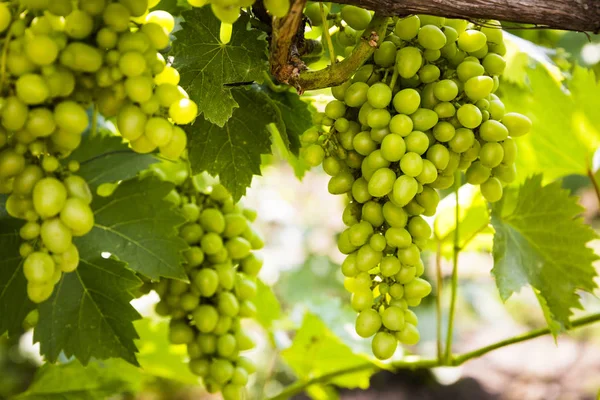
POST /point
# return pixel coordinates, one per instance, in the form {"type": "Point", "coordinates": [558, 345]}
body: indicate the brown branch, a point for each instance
{"type": "Point", "coordinates": [572, 15]}
{"type": "Point", "coordinates": [284, 64]}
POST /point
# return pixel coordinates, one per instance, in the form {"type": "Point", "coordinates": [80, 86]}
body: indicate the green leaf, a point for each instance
{"type": "Point", "coordinates": [105, 158]}
{"type": "Point", "coordinates": [14, 303]}
{"type": "Point", "coordinates": [89, 314]}
{"type": "Point", "coordinates": [136, 225]}
{"type": "Point", "coordinates": [233, 151]}
{"type": "Point", "coordinates": [206, 65]}
{"type": "Point", "coordinates": [158, 357]}
{"type": "Point", "coordinates": [296, 116]}
{"type": "Point", "coordinates": [316, 351]}
{"type": "Point", "coordinates": [73, 381]}
{"type": "Point", "coordinates": [563, 138]}
{"type": "Point", "coordinates": [473, 220]}
{"type": "Point", "coordinates": [542, 242]}
{"type": "Point", "coordinates": [267, 305]}
{"type": "Point", "coordinates": [173, 7]}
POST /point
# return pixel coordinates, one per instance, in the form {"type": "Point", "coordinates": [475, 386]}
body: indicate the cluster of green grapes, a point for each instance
{"type": "Point", "coordinates": [420, 111]}
{"type": "Point", "coordinates": [222, 269]}
{"type": "Point", "coordinates": [351, 21]}
{"type": "Point", "coordinates": [61, 57]}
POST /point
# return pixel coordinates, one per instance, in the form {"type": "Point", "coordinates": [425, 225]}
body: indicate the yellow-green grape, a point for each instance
{"type": "Point", "coordinates": [277, 8]}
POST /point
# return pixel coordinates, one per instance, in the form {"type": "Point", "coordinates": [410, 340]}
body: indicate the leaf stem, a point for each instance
{"type": "Point", "coordinates": [416, 362]}
{"type": "Point", "coordinates": [273, 86]}
{"type": "Point", "coordinates": [327, 35]}
{"type": "Point", "coordinates": [458, 360]}
{"type": "Point", "coordinates": [438, 300]}
{"type": "Point", "coordinates": [594, 183]}
{"type": "Point", "coordinates": [454, 285]}
{"type": "Point", "coordinates": [394, 78]}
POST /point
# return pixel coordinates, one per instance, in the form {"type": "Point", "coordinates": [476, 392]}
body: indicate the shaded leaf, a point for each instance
{"type": "Point", "coordinates": [206, 65]}
{"type": "Point", "coordinates": [73, 381]}
{"type": "Point", "coordinates": [139, 227]}
{"type": "Point", "coordinates": [14, 303]}
{"type": "Point", "coordinates": [89, 314]}
{"type": "Point", "coordinates": [267, 305]}
{"type": "Point", "coordinates": [105, 158]}
{"type": "Point", "coordinates": [233, 152]}
{"type": "Point", "coordinates": [542, 242]}
{"type": "Point", "coordinates": [316, 351]}
{"type": "Point", "coordinates": [158, 357]}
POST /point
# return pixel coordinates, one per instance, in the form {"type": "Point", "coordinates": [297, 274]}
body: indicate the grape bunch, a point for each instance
{"type": "Point", "coordinates": [222, 269]}
{"type": "Point", "coordinates": [421, 110]}
{"type": "Point", "coordinates": [60, 58]}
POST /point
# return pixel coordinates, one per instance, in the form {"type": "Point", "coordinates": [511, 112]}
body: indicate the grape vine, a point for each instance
{"type": "Point", "coordinates": [421, 110]}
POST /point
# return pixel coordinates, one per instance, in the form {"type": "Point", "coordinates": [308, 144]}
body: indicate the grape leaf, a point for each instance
{"type": "Point", "coordinates": [105, 158]}
{"type": "Point", "coordinates": [139, 227]}
{"type": "Point", "coordinates": [14, 304]}
{"type": "Point", "coordinates": [206, 65]}
{"type": "Point", "coordinates": [540, 241]}
{"type": "Point", "coordinates": [267, 305]}
{"type": "Point", "coordinates": [158, 357]}
{"type": "Point", "coordinates": [296, 116]}
{"type": "Point", "coordinates": [473, 219]}
{"type": "Point", "coordinates": [89, 314]}
{"type": "Point", "coordinates": [563, 137]}
{"type": "Point", "coordinates": [233, 151]}
{"type": "Point", "coordinates": [316, 351]}
{"type": "Point", "coordinates": [73, 381]}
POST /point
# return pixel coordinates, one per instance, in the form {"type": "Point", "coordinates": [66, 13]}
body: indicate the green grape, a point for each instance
{"type": "Point", "coordinates": [277, 8]}
{"type": "Point", "coordinates": [479, 87]}
{"type": "Point", "coordinates": [49, 197]}
{"type": "Point", "coordinates": [517, 124]}
{"type": "Point", "coordinates": [407, 101]}
{"type": "Point", "coordinates": [408, 61]}
{"type": "Point", "coordinates": [398, 237]}
{"type": "Point", "coordinates": [417, 142]}
{"type": "Point", "coordinates": [11, 163]}
{"type": "Point", "coordinates": [357, 18]}
{"type": "Point", "coordinates": [491, 189]}
{"type": "Point", "coordinates": [206, 318]}
{"type": "Point", "coordinates": [384, 344]}
{"type": "Point", "coordinates": [238, 248]}
{"type": "Point", "coordinates": [407, 28]}
{"type": "Point", "coordinates": [471, 40]}
{"type": "Point", "coordinates": [356, 94]}
{"type": "Point", "coordinates": [38, 293]}
{"type": "Point", "coordinates": [5, 17]}
{"type": "Point", "coordinates": [409, 335]}
{"type": "Point", "coordinates": [14, 113]}
{"type": "Point", "coordinates": [491, 154]}
{"type": "Point", "coordinates": [131, 122]}
{"type": "Point", "coordinates": [368, 323]}
{"type": "Point", "coordinates": [431, 37]}
{"type": "Point", "coordinates": [159, 131]}
{"type": "Point", "coordinates": [424, 119]}
{"type": "Point", "coordinates": [393, 147]}
{"type": "Point", "coordinates": [228, 304]}
{"type": "Point", "coordinates": [32, 89]}
{"type": "Point", "coordinates": [411, 164]}
{"type": "Point", "coordinates": [378, 118]}
{"type": "Point", "coordinates": [405, 189]}
{"type": "Point", "coordinates": [71, 117]}
{"type": "Point", "coordinates": [77, 216]}
{"type": "Point", "coordinates": [41, 50]}
{"type": "Point", "coordinates": [180, 333]}
{"type": "Point", "coordinates": [183, 111]}
{"type": "Point", "coordinates": [432, 20]}
{"type": "Point", "coordinates": [57, 237]}
{"type": "Point", "coordinates": [429, 73]}
{"type": "Point", "coordinates": [360, 191]}
{"type": "Point", "coordinates": [385, 55]}
{"type": "Point", "coordinates": [379, 95]}
{"type": "Point", "coordinates": [38, 268]}
{"type": "Point", "coordinates": [477, 173]}
{"type": "Point", "coordinates": [469, 116]}
{"type": "Point", "coordinates": [493, 131]}
{"type": "Point", "coordinates": [469, 69]}
{"type": "Point", "coordinates": [362, 300]}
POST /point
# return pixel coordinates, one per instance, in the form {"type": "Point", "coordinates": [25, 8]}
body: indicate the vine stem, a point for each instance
{"type": "Point", "coordinates": [438, 300]}
{"type": "Point", "coordinates": [327, 35]}
{"type": "Point", "coordinates": [454, 285]}
{"type": "Point", "coordinates": [416, 362]}
{"type": "Point", "coordinates": [4, 57]}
